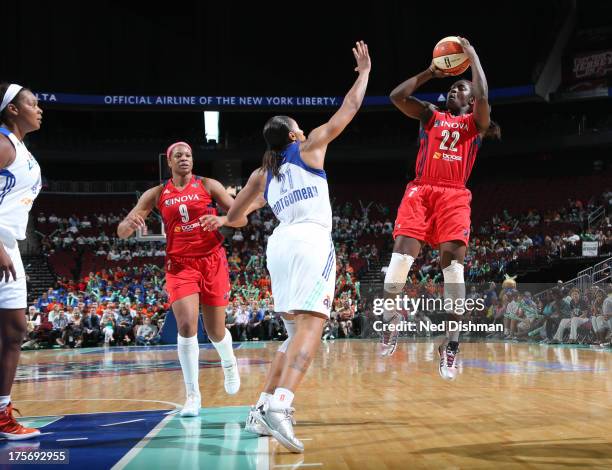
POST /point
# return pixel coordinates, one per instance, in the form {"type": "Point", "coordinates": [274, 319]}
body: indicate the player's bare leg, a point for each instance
{"type": "Point", "coordinates": [272, 379]}
{"type": "Point", "coordinates": [405, 250]}
{"type": "Point", "coordinates": [12, 332]}
{"type": "Point", "coordinates": [277, 414]}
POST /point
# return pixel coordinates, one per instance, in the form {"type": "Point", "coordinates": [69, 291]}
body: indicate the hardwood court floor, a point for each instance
{"type": "Point", "coordinates": [513, 406]}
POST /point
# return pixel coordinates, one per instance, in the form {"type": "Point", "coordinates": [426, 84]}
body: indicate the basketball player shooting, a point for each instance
{"type": "Point", "coordinates": [435, 208]}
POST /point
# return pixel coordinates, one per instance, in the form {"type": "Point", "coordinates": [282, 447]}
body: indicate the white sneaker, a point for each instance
{"type": "Point", "coordinates": [192, 406]}
{"type": "Point", "coordinates": [279, 423]}
{"type": "Point", "coordinates": [232, 378]}
{"type": "Point", "coordinates": [253, 426]}
{"type": "Point", "coordinates": [448, 362]}
{"type": "Point", "coordinates": [388, 339]}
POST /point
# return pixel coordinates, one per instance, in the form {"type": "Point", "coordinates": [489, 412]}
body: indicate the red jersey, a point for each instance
{"type": "Point", "coordinates": [180, 211]}
{"type": "Point", "coordinates": [448, 149]}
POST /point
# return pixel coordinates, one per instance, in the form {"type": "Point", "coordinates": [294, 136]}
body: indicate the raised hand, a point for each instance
{"type": "Point", "coordinates": [438, 72]}
{"type": "Point", "coordinates": [362, 56]}
{"type": "Point", "coordinates": [467, 47]}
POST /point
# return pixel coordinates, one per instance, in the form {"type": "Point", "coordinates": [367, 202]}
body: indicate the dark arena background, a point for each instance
{"type": "Point", "coordinates": [118, 82]}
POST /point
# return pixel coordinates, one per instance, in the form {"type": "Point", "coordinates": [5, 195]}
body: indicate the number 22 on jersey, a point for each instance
{"type": "Point", "coordinates": [446, 135]}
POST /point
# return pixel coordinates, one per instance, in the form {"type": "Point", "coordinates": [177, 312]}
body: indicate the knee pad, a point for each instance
{"type": "Point", "coordinates": [290, 327]}
{"type": "Point", "coordinates": [454, 288]}
{"type": "Point", "coordinates": [397, 272]}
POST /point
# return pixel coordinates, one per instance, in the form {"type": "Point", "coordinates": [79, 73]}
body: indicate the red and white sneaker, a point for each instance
{"type": "Point", "coordinates": [448, 361]}
{"type": "Point", "coordinates": [13, 431]}
{"type": "Point", "coordinates": [389, 336]}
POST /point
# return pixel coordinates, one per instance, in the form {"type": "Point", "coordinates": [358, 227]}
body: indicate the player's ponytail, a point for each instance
{"type": "Point", "coordinates": [276, 134]}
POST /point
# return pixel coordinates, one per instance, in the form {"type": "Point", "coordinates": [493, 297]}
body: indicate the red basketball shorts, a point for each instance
{"type": "Point", "coordinates": [207, 275]}
{"type": "Point", "coordinates": [434, 214]}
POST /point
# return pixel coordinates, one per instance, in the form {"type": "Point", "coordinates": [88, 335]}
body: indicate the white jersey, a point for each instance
{"type": "Point", "coordinates": [20, 183]}
{"type": "Point", "coordinates": [300, 193]}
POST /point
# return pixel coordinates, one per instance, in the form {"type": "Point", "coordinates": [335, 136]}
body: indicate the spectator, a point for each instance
{"type": "Point", "coordinates": [108, 327]}
{"type": "Point", "coordinates": [242, 321]}
{"type": "Point", "coordinates": [124, 326]}
{"type": "Point", "coordinates": [91, 328]}
{"type": "Point", "coordinates": [60, 322]}
{"type": "Point", "coordinates": [147, 334]}
{"type": "Point", "coordinates": [579, 315]}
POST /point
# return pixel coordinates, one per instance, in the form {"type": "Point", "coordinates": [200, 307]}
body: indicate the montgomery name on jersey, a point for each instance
{"type": "Point", "coordinates": [300, 193]}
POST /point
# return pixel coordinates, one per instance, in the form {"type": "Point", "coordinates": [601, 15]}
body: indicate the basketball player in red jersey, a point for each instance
{"type": "Point", "coordinates": [435, 208]}
{"type": "Point", "coordinates": [196, 265]}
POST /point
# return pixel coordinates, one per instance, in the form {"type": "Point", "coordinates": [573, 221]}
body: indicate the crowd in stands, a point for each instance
{"type": "Point", "coordinates": [560, 315]}
{"type": "Point", "coordinates": [116, 304]}
{"type": "Point", "coordinates": [569, 315]}
{"type": "Point", "coordinates": [119, 300]}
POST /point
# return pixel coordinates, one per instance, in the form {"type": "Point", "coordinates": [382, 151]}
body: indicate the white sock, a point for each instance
{"type": "Point", "coordinates": [282, 398]}
{"type": "Point", "coordinates": [189, 357]}
{"type": "Point", "coordinates": [264, 397]}
{"type": "Point", "coordinates": [4, 401]}
{"type": "Point", "coordinates": [225, 350]}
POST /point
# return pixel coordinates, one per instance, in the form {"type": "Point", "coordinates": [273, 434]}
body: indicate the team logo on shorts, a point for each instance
{"type": "Point", "coordinates": [327, 302]}
{"type": "Point", "coordinates": [466, 232]}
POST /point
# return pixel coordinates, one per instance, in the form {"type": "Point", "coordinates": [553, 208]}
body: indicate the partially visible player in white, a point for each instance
{"type": "Point", "coordinates": [300, 253]}
{"type": "Point", "coordinates": [20, 183]}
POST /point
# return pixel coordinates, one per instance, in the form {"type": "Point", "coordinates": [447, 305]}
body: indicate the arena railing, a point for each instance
{"type": "Point", "coordinates": [596, 216]}
{"type": "Point", "coordinates": [602, 272]}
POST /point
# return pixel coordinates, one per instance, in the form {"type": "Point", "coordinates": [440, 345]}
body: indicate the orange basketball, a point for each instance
{"type": "Point", "coordinates": [448, 55]}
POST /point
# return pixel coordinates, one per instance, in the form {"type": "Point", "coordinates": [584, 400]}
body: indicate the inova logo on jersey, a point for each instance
{"type": "Point", "coordinates": [452, 125]}
{"type": "Point", "coordinates": [179, 199]}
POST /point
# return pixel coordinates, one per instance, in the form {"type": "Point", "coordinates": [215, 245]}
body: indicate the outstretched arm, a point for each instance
{"type": "Point", "coordinates": [480, 89]}
{"type": "Point", "coordinates": [249, 198]}
{"type": "Point", "coordinates": [313, 150]}
{"type": "Point", "coordinates": [402, 98]}
{"type": "Point", "coordinates": [136, 217]}
{"type": "Point", "coordinates": [221, 195]}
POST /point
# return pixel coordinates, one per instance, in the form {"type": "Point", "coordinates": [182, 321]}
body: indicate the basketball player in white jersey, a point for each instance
{"type": "Point", "coordinates": [300, 254]}
{"type": "Point", "coordinates": [20, 183]}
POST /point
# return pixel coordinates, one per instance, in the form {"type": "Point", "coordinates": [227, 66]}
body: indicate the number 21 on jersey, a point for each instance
{"type": "Point", "coordinates": [286, 178]}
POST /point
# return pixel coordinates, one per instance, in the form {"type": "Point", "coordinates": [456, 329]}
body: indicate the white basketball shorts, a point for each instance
{"type": "Point", "coordinates": [302, 263]}
{"type": "Point", "coordinates": [13, 294]}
